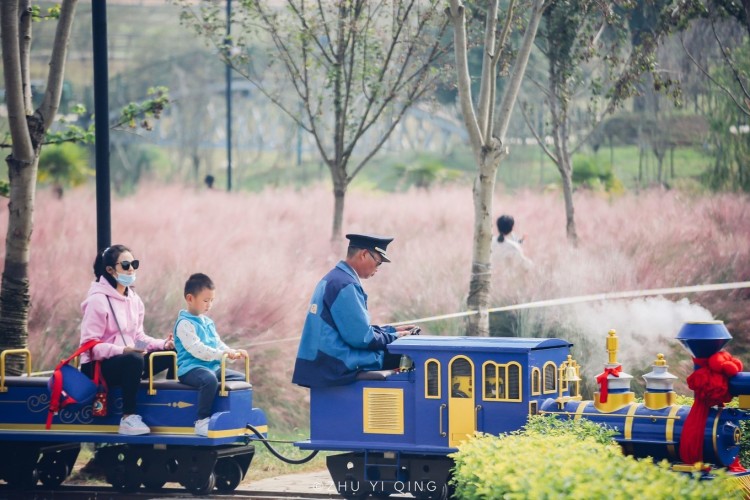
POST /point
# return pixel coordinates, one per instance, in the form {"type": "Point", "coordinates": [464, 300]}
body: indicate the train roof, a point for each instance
{"type": "Point", "coordinates": [506, 344]}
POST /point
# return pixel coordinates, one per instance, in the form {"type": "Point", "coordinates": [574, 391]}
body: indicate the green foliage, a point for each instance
{"type": "Point", "coordinates": [64, 165]}
{"type": "Point", "coordinates": [145, 110]}
{"type": "Point", "coordinates": [133, 115]}
{"type": "Point", "coordinates": [591, 174]}
{"type": "Point", "coordinates": [52, 13]}
{"type": "Point", "coordinates": [549, 425]}
{"type": "Point", "coordinates": [539, 465]}
{"type": "Point", "coordinates": [70, 132]}
{"type": "Point", "coordinates": [139, 161]}
{"type": "Point", "coordinates": [423, 172]}
{"type": "Point", "coordinates": [730, 138]}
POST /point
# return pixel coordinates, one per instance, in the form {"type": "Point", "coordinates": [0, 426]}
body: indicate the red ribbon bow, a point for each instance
{"type": "Point", "coordinates": [710, 381]}
{"type": "Point", "coordinates": [601, 379]}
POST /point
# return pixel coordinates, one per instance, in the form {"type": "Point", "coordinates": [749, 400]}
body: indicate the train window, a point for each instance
{"type": "Point", "coordinates": [502, 382]}
{"type": "Point", "coordinates": [550, 377]}
{"type": "Point", "coordinates": [533, 408]}
{"type": "Point", "coordinates": [432, 379]}
{"type": "Point", "coordinates": [461, 378]}
{"type": "Point", "coordinates": [491, 386]}
{"type": "Point", "coordinates": [514, 381]}
{"type": "Point", "coordinates": [536, 381]}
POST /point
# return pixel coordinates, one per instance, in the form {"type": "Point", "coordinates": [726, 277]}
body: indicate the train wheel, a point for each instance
{"type": "Point", "coordinates": [52, 470]}
{"type": "Point", "coordinates": [206, 488]}
{"type": "Point", "coordinates": [154, 484]}
{"type": "Point", "coordinates": [126, 475]}
{"type": "Point", "coordinates": [228, 474]}
{"type": "Point", "coordinates": [23, 478]}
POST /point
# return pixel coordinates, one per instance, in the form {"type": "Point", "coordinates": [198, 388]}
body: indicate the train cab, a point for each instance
{"type": "Point", "coordinates": [447, 388]}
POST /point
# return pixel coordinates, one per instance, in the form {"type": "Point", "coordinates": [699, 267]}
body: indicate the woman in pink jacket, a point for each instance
{"type": "Point", "coordinates": [113, 313]}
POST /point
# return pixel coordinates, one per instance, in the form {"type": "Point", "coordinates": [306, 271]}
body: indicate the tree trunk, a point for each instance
{"type": "Point", "coordinates": [570, 222]}
{"type": "Point", "coordinates": [481, 270]}
{"type": "Point", "coordinates": [14, 296]}
{"type": "Point", "coordinates": [487, 137]}
{"type": "Point", "coordinates": [27, 133]}
{"type": "Point", "coordinates": [339, 193]}
{"type": "Point", "coordinates": [671, 163]}
{"type": "Point", "coordinates": [558, 110]}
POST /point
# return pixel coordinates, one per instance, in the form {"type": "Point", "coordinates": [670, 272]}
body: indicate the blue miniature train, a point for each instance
{"type": "Point", "coordinates": [170, 453]}
{"type": "Point", "coordinates": [395, 429]}
{"type": "Point", "coordinates": [398, 428]}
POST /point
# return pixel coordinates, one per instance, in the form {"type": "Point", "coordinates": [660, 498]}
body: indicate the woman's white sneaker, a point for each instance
{"type": "Point", "coordinates": [201, 427]}
{"type": "Point", "coordinates": [133, 425]}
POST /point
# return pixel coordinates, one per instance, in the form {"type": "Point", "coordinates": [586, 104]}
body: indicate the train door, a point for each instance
{"type": "Point", "coordinates": [461, 422]}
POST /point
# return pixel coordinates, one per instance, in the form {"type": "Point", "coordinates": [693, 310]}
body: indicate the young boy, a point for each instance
{"type": "Point", "coordinates": [199, 348]}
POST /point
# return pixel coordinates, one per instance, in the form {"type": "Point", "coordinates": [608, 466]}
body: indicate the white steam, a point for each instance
{"type": "Point", "coordinates": [645, 327]}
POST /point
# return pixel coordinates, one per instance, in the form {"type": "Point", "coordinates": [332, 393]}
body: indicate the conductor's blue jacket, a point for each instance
{"type": "Point", "coordinates": [338, 340]}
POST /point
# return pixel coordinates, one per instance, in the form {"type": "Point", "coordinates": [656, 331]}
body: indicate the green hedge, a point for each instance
{"type": "Point", "coordinates": [572, 460]}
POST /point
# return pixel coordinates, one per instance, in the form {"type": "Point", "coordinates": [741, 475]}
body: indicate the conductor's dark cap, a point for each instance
{"type": "Point", "coordinates": [370, 242]}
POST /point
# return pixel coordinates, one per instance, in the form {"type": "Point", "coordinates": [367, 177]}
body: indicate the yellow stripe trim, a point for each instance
{"type": "Point", "coordinates": [713, 434]}
{"type": "Point", "coordinates": [628, 434]}
{"type": "Point", "coordinates": [112, 429]}
{"type": "Point", "coordinates": [669, 430]}
{"type": "Point", "coordinates": [579, 410]}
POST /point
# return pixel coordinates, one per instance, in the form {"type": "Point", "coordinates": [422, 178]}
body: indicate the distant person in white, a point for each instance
{"type": "Point", "coordinates": [507, 248]}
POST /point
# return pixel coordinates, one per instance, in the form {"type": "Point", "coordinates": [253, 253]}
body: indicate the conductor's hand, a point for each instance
{"type": "Point", "coordinates": [401, 331]}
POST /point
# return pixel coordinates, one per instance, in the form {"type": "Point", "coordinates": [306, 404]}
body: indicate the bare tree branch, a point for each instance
{"type": "Point", "coordinates": [23, 150]}
{"type": "Point", "coordinates": [536, 135]}
{"type": "Point", "coordinates": [511, 91]}
{"type": "Point", "coordinates": [488, 80]}
{"type": "Point", "coordinates": [507, 28]}
{"type": "Point", "coordinates": [703, 70]}
{"type": "Point", "coordinates": [48, 108]}
{"type": "Point", "coordinates": [25, 53]}
{"type": "Point", "coordinates": [457, 14]}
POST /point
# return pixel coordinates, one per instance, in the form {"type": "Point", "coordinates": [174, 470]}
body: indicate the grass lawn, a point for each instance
{"type": "Point", "coordinates": [527, 166]}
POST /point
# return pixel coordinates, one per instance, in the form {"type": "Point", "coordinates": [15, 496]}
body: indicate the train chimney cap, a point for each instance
{"type": "Point", "coordinates": [704, 338]}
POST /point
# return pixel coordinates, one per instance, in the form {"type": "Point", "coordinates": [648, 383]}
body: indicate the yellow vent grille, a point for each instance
{"type": "Point", "coordinates": [383, 411]}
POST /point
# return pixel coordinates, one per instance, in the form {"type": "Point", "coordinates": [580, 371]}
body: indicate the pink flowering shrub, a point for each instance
{"type": "Point", "coordinates": [266, 251]}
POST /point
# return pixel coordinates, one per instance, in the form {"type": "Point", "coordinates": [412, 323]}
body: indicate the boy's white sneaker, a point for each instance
{"type": "Point", "coordinates": [133, 425]}
{"type": "Point", "coordinates": [201, 427]}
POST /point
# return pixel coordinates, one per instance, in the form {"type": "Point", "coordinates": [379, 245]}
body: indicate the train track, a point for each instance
{"type": "Point", "coordinates": [77, 492]}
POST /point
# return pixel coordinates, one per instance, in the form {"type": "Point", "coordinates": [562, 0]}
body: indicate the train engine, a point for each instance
{"type": "Point", "coordinates": [688, 436]}
{"type": "Point", "coordinates": [397, 428]}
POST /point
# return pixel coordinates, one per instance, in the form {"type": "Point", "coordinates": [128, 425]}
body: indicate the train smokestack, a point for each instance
{"type": "Point", "coordinates": [703, 339]}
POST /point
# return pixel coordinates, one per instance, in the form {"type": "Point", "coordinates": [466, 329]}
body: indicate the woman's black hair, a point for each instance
{"type": "Point", "coordinates": [504, 226]}
{"type": "Point", "coordinates": [108, 258]}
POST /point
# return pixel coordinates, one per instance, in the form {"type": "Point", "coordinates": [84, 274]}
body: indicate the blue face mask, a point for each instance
{"type": "Point", "coordinates": [125, 279]}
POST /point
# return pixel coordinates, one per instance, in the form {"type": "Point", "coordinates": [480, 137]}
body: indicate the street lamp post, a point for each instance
{"type": "Point", "coordinates": [229, 96]}
{"type": "Point", "coordinates": [101, 123]}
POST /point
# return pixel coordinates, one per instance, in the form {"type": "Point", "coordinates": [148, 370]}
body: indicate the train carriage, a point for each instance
{"type": "Point", "coordinates": [170, 453]}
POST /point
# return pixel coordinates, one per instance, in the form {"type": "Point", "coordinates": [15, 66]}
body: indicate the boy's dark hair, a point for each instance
{"type": "Point", "coordinates": [196, 283]}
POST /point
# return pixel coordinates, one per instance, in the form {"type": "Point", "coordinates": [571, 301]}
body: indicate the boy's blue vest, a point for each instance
{"type": "Point", "coordinates": [206, 331]}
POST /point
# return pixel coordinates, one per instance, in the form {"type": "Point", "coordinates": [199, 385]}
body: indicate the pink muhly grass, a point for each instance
{"type": "Point", "coordinates": [266, 251]}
